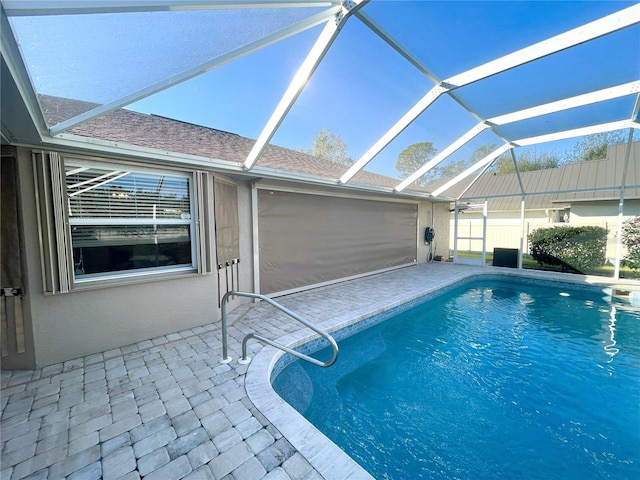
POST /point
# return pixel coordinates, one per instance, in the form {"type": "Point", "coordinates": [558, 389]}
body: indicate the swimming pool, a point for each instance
{"type": "Point", "coordinates": [490, 380]}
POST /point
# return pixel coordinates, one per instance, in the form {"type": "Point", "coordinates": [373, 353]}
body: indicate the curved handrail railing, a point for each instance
{"type": "Point", "coordinates": [225, 357]}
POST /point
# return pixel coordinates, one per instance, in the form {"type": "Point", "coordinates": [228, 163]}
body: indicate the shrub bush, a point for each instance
{"type": "Point", "coordinates": [631, 240]}
{"type": "Point", "coordinates": [578, 247]}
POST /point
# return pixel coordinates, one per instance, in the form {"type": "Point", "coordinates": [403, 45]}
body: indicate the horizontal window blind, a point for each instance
{"type": "Point", "coordinates": [96, 192]}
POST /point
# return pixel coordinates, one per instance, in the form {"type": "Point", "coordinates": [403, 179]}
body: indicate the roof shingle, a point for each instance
{"type": "Point", "coordinates": [153, 131]}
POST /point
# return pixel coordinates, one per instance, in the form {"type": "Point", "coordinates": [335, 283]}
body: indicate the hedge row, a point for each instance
{"type": "Point", "coordinates": [573, 248]}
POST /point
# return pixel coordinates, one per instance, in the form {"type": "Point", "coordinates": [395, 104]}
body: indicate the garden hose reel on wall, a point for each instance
{"type": "Point", "coordinates": [429, 235]}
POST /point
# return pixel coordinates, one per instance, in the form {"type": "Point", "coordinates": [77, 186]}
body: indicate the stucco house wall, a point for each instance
{"type": "Point", "coordinates": [84, 322]}
{"type": "Point", "coordinates": [63, 326]}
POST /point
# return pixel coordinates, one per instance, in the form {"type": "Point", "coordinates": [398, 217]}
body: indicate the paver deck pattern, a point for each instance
{"type": "Point", "coordinates": [166, 408]}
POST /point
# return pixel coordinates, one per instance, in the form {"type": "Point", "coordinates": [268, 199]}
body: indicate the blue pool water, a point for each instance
{"type": "Point", "coordinates": [490, 380]}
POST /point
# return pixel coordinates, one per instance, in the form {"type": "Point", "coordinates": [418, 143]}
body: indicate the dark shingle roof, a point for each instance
{"type": "Point", "coordinates": [162, 133]}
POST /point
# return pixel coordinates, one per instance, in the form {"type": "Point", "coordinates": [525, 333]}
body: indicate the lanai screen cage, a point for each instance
{"type": "Point", "coordinates": [456, 101]}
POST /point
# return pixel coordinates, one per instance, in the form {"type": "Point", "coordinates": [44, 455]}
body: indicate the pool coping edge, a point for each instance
{"type": "Point", "coordinates": [321, 452]}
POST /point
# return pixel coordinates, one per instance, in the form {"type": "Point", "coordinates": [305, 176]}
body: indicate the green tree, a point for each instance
{"type": "Point", "coordinates": [504, 161]}
{"type": "Point", "coordinates": [631, 240]}
{"type": "Point", "coordinates": [450, 169]}
{"type": "Point", "coordinates": [528, 161]}
{"type": "Point", "coordinates": [330, 146]}
{"type": "Point", "coordinates": [415, 156]}
{"type": "Point", "coordinates": [594, 147]}
{"type": "Point", "coordinates": [481, 152]}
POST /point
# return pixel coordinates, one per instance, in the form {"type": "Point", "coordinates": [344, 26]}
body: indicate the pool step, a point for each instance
{"type": "Point", "coordinates": [625, 294]}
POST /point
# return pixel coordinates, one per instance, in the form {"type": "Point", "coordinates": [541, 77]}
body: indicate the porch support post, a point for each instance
{"type": "Point", "coordinates": [616, 268]}
{"type": "Point", "coordinates": [522, 234]}
{"type": "Point", "coordinates": [485, 212]}
{"type": "Point", "coordinates": [455, 231]}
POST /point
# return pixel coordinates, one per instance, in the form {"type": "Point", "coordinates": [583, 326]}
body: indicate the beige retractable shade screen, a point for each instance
{"type": "Point", "coordinates": [309, 239]}
{"type": "Point", "coordinates": [227, 227]}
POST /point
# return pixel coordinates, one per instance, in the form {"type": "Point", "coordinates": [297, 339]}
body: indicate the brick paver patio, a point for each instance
{"type": "Point", "coordinates": [166, 408]}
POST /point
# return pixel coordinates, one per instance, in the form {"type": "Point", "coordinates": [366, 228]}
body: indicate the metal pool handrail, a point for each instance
{"type": "Point", "coordinates": [226, 358]}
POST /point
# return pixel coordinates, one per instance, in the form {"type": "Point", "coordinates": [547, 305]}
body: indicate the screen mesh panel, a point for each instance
{"type": "Point", "coordinates": [227, 228]}
{"type": "Point", "coordinates": [110, 55]}
{"type": "Point", "coordinates": [310, 239]}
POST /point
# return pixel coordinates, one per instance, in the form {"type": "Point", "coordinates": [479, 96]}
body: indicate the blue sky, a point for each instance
{"type": "Point", "coordinates": [362, 86]}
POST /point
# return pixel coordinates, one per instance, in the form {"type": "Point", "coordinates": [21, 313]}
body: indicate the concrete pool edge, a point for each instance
{"type": "Point", "coordinates": [324, 455]}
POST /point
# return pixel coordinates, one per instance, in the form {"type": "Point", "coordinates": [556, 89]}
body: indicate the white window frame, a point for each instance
{"type": "Point", "coordinates": [55, 224]}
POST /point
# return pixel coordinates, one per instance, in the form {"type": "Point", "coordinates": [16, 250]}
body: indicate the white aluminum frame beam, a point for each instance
{"type": "Point", "coordinates": [616, 271]}
{"type": "Point", "coordinates": [431, 96]}
{"type": "Point", "coordinates": [485, 162]}
{"type": "Point", "coordinates": [546, 192]}
{"type": "Point", "coordinates": [393, 43]}
{"type": "Point", "coordinates": [590, 31]}
{"type": "Point", "coordinates": [197, 70]}
{"type": "Point", "coordinates": [75, 7]}
{"type": "Point", "coordinates": [309, 65]}
{"type": "Point", "coordinates": [576, 132]}
{"type": "Point", "coordinates": [517, 170]}
{"type": "Point", "coordinates": [416, 110]}
{"type": "Point", "coordinates": [565, 104]}
{"type": "Point", "coordinates": [11, 55]}
{"type": "Point", "coordinates": [568, 103]}
{"type": "Point", "coordinates": [442, 156]}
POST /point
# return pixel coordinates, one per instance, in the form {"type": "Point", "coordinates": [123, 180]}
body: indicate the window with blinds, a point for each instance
{"type": "Point", "coordinates": [123, 220]}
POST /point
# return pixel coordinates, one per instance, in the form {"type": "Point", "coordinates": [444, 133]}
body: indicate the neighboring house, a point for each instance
{"type": "Point", "coordinates": [582, 193]}
{"type": "Point", "coordinates": [131, 226]}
